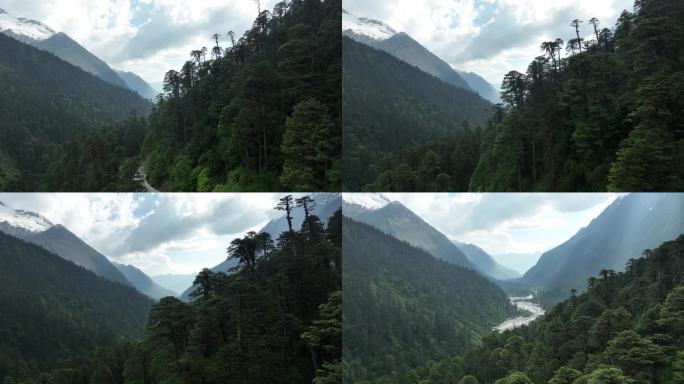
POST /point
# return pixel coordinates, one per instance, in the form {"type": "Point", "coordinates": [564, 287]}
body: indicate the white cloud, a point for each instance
{"type": "Point", "coordinates": [148, 37]}
{"type": "Point", "coordinates": [158, 233]}
{"type": "Point", "coordinates": [489, 37]}
{"type": "Point", "coordinates": [504, 223]}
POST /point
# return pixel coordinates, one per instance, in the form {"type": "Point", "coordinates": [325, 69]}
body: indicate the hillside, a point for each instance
{"type": "Point", "coordinates": [260, 115]}
{"type": "Point", "coordinates": [394, 114]}
{"type": "Point", "coordinates": [627, 328]}
{"type": "Point", "coordinates": [45, 101]}
{"type": "Point", "coordinates": [143, 283]}
{"type": "Point", "coordinates": [485, 262]}
{"type": "Point", "coordinates": [48, 301]}
{"type": "Point", "coordinates": [400, 222]}
{"type": "Point", "coordinates": [611, 239]}
{"type": "Point", "coordinates": [403, 307]}
{"type": "Point", "coordinates": [606, 116]}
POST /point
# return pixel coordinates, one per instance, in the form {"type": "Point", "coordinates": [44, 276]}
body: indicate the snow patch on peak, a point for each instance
{"type": "Point", "coordinates": [22, 26]}
{"type": "Point", "coordinates": [29, 221]}
{"type": "Point", "coordinates": [373, 29]}
{"type": "Point", "coordinates": [369, 201]}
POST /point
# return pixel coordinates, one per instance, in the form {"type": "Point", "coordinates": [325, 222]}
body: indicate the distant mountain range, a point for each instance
{"type": "Point", "coordinates": [397, 220]}
{"type": "Point", "coordinates": [41, 36]}
{"type": "Point", "coordinates": [626, 228]}
{"type": "Point", "coordinates": [381, 36]}
{"type": "Point", "coordinates": [36, 229]}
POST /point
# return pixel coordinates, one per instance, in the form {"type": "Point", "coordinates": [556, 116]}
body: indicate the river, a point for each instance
{"type": "Point", "coordinates": [526, 304]}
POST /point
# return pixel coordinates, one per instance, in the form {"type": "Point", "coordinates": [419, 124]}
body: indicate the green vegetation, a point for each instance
{"type": "Point", "coordinates": [276, 318]}
{"type": "Point", "coordinates": [405, 130]}
{"type": "Point", "coordinates": [51, 309]}
{"type": "Point", "coordinates": [44, 102]}
{"type": "Point", "coordinates": [260, 115]}
{"type": "Point", "coordinates": [263, 114]}
{"type": "Point", "coordinates": [403, 307]}
{"type": "Point", "coordinates": [608, 117]}
{"type": "Point", "coordinates": [627, 328]}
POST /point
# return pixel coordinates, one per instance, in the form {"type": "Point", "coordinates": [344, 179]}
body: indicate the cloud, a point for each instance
{"type": "Point", "coordinates": [147, 37]}
{"type": "Point", "coordinates": [504, 223]}
{"type": "Point", "coordinates": [159, 233]}
{"type": "Point", "coordinates": [489, 37]}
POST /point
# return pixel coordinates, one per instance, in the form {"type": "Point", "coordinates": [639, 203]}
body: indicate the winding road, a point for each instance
{"type": "Point", "coordinates": [141, 177]}
{"type": "Point", "coordinates": [525, 304]}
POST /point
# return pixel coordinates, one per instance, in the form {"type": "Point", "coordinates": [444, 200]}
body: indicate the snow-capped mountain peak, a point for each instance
{"type": "Point", "coordinates": [368, 201]}
{"type": "Point", "coordinates": [372, 29]}
{"type": "Point", "coordinates": [28, 221]}
{"type": "Point", "coordinates": [23, 27]}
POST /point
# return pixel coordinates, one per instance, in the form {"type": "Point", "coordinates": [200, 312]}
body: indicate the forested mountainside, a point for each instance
{"type": "Point", "coordinates": [262, 114]}
{"type": "Point", "coordinates": [405, 130]}
{"type": "Point", "coordinates": [627, 328]}
{"type": "Point", "coordinates": [143, 283]}
{"type": "Point", "coordinates": [51, 309]}
{"type": "Point", "coordinates": [400, 222]}
{"type": "Point", "coordinates": [485, 262]}
{"type": "Point", "coordinates": [403, 307]}
{"type": "Point", "coordinates": [45, 101]}
{"type": "Point", "coordinates": [611, 239]}
{"type": "Point", "coordinates": [607, 116]}
{"type": "Point", "coordinates": [275, 319]}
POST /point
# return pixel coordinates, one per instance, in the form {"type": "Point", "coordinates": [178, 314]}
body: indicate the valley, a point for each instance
{"type": "Point", "coordinates": [70, 314]}
{"type": "Point", "coordinates": [85, 126]}
{"type": "Point", "coordinates": [453, 319]}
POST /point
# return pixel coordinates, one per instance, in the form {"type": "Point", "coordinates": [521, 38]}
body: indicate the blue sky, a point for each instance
{"type": "Point", "coordinates": [158, 233]}
{"type": "Point", "coordinates": [506, 223]}
{"type": "Point", "coordinates": [148, 37]}
{"type": "Point", "coordinates": [489, 37]}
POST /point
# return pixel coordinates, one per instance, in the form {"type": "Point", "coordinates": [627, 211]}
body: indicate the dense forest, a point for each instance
{"type": "Point", "coordinates": [403, 307]}
{"type": "Point", "coordinates": [628, 328]}
{"type": "Point", "coordinates": [274, 318]}
{"type": "Point", "coordinates": [262, 114]}
{"type": "Point", "coordinates": [51, 309]}
{"type": "Point", "coordinates": [44, 102]}
{"type": "Point", "coordinates": [405, 130]}
{"type": "Point", "coordinates": [606, 115]}
{"type": "Point", "coordinates": [588, 115]}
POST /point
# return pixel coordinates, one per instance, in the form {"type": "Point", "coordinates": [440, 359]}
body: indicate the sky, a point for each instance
{"type": "Point", "coordinates": [488, 37]}
{"type": "Point", "coordinates": [147, 37]}
{"type": "Point", "coordinates": [514, 228]}
{"type": "Point", "coordinates": [178, 233]}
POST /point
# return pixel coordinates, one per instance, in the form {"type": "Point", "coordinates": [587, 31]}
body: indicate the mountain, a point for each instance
{"type": "Point", "coordinates": [391, 107]}
{"type": "Point", "coordinates": [175, 282]}
{"type": "Point", "coordinates": [395, 219]}
{"type": "Point", "coordinates": [52, 309]}
{"type": "Point", "coordinates": [622, 231]}
{"type": "Point", "coordinates": [36, 229]}
{"type": "Point", "coordinates": [137, 84]}
{"type": "Point", "coordinates": [64, 47]}
{"type": "Point", "coordinates": [326, 205]}
{"type": "Point", "coordinates": [403, 307]}
{"type": "Point", "coordinates": [142, 282]}
{"type": "Point", "coordinates": [481, 86]}
{"type": "Point", "coordinates": [23, 29]}
{"type": "Point", "coordinates": [402, 46]}
{"type": "Point", "coordinates": [486, 263]}
{"type": "Point", "coordinates": [626, 328]}
{"type": "Point", "coordinates": [45, 101]}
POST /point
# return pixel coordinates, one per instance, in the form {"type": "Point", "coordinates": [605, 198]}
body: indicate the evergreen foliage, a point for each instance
{"type": "Point", "coordinates": [403, 307]}
{"type": "Point", "coordinates": [606, 117]}
{"type": "Point", "coordinates": [276, 318]}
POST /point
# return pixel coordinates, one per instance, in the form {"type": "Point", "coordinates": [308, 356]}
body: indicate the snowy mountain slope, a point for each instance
{"type": "Point", "coordinates": [363, 27]}
{"type": "Point", "coordinates": [36, 229]}
{"type": "Point", "coordinates": [23, 28]}
{"type": "Point", "coordinates": [402, 46]}
{"type": "Point", "coordinates": [41, 36]}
